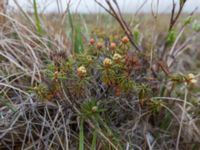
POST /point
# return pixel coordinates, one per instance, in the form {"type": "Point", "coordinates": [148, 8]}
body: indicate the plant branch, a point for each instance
{"type": "Point", "coordinates": [118, 16]}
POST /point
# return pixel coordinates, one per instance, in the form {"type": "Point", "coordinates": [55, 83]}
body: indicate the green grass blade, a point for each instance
{"type": "Point", "coordinates": [81, 137]}
{"type": "Point", "coordinates": [70, 19]}
{"type": "Point", "coordinates": [76, 35]}
{"type": "Point", "coordinates": [37, 20]}
{"type": "Point", "coordinates": [94, 140]}
{"type": "Point", "coordinates": [166, 121]}
{"type": "Point", "coordinates": [78, 42]}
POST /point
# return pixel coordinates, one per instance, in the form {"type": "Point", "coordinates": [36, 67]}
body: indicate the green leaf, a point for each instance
{"type": "Point", "coordinates": [78, 40]}
{"type": "Point", "coordinates": [81, 136]}
{"type": "Point", "coordinates": [196, 26]}
{"type": "Point", "coordinates": [171, 37]}
{"type": "Point", "coordinates": [38, 23]}
{"type": "Point", "coordinates": [166, 121]}
{"type": "Point", "coordinates": [94, 140]}
{"type": "Point", "coordinates": [76, 35]}
{"type": "Point", "coordinates": [188, 20]}
{"type": "Point", "coordinates": [136, 36]}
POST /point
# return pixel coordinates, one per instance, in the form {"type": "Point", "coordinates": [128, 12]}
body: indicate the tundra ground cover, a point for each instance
{"type": "Point", "coordinates": [75, 81]}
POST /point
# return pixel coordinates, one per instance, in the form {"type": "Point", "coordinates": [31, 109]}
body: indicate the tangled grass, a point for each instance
{"type": "Point", "coordinates": [71, 89]}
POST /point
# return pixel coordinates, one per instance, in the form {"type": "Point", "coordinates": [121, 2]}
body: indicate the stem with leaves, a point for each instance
{"type": "Point", "coordinates": [118, 16]}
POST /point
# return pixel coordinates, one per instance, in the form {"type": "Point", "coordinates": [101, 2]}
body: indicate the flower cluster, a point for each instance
{"type": "Point", "coordinates": [191, 79]}
{"type": "Point", "coordinates": [107, 63]}
{"type": "Point", "coordinates": [113, 65]}
{"type": "Point", "coordinates": [81, 71]}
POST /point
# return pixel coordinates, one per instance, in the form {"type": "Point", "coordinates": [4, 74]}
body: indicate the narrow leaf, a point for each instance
{"type": "Point", "coordinates": [81, 136]}
{"type": "Point", "coordinates": [38, 24]}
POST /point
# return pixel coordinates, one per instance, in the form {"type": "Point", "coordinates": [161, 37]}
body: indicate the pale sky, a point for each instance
{"type": "Point", "coordinates": [88, 6]}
